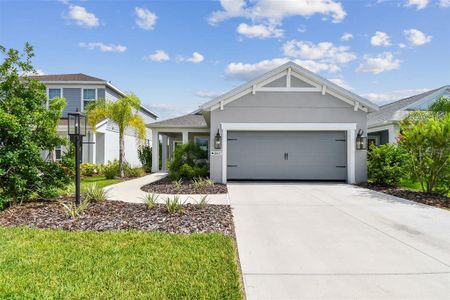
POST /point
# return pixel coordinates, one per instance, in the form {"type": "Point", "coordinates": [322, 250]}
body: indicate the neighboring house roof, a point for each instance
{"type": "Point", "coordinates": [330, 86]}
{"type": "Point", "coordinates": [396, 111]}
{"type": "Point", "coordinates": [66, 77]}
{"type": "Point", "coordinates": [83, 78]}
{"type": "Point", "coordinates": [191, 120]}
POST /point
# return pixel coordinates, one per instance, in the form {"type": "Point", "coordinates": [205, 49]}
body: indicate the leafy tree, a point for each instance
{"type": "Point", "coordinates": [441, 105]}
{"type": "Point", "coordinates": [385, 165]}
{"type": "Point", "coordinates": [425, 137]}
{"type": "Point", "coordinates": [123, 112]}
{"type": "Point", "coordinates": [28, 127]}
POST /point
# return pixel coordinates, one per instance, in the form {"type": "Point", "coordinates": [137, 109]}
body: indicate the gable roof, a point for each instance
{"type": "Point", "coordinates": [192, 120]}
{"type": "Point", "coordinates": [66, 77]}
{"type": "Point", "coordinates": [397, 110]}
{"type": "Point", "coordinates": [330, 86]}
{"type": "Point", "coordinates": [83, 78]}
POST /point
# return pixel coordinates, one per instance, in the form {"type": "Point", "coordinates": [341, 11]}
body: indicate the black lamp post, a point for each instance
{"type": "Point", "coordinates": [361, 141]}
{"type": "Point", "coordinates": [77, 129]}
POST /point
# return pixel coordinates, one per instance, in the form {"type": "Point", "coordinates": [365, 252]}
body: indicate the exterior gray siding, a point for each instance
{"type": "Point", "coordinates": [73, 98]}
{"type": "Point", "coordinates": [111, 95]}
{"type": "Point", "coordinates": [288, 107]}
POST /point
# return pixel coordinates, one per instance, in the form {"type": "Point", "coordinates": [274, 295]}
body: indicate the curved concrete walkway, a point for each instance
{"type": "Point", "coordinates": [130, 191]}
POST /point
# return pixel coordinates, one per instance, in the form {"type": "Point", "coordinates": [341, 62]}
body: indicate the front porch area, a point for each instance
{"type": "Point", "coordinates": [170, 138]}
{"type": "Point", "coordinates": [172, 132]}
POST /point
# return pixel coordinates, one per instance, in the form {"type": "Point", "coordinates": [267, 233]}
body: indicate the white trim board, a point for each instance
{"type": "Point", "coordinates": [350, 128]}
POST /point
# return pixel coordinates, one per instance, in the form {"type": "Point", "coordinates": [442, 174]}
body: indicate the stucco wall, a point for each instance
{"type": "Point", "coordinates": [288, 107]}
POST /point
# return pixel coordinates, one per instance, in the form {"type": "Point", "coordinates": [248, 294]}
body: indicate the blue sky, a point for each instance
{"type": "Point", "coordinates": [175, 55]}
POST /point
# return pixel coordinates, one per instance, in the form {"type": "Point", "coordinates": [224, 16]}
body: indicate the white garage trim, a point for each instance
{"type": "Point", "coordinates": [350, 128]}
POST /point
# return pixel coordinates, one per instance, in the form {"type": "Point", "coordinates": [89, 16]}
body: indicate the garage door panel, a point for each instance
{"type": "Point", "coordinates": [287, 155]}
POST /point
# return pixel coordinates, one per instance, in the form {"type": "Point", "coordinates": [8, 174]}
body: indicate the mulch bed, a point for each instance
{"type": "Point", "coordinates": [118, 215]}
{"type": "Point", "coordinates": [166, 186]}
{"type": "Point", "coordinates": [420, 197]}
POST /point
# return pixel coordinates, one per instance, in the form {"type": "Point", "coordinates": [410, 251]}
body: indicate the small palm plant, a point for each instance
{"type": "Point", "coordinates": [150, 200]}
{"type": "Point", "coordinates": [123, 112]}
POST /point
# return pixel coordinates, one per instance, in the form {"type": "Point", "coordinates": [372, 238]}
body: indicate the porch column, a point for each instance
{"type": "Point", "coordinates": [391, 135]}
{"type": "Point", "coordinates": [185, 137]}
{"type": "Point", "coordinates": [170, 141]}
{"type": "Point", "coordinates": [94, 148]}
{"type": "Point", "coordinates": [155, 150]}
{"type": "Point", "coordinates": [164, 152]}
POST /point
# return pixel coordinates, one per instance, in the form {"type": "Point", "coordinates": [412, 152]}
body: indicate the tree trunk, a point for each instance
{"type": "Point", "coordinates": [121, 154]}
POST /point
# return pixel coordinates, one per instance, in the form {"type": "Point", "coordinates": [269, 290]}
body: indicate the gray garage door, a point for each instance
{"type": "Point", "coordinates": [305, 155]}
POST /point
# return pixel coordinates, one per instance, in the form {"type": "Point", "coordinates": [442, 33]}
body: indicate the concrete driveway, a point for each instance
{"type": "Point", "coordinates": [329, 241]}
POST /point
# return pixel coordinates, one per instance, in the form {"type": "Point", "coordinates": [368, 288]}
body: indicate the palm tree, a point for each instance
{"type": "Point", "coordinates": [123, 112]}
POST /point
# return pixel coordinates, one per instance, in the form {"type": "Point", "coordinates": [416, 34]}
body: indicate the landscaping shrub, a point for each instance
{"type": "Point", "coordinates": [425, 137]}
{"type": "Point", "coordinates": [145, 157]}
{"type": "Point", "coordinates": [88, 169]}
{"type": "Point", "coordinates": [188, 162]}
{"type": "Point", "coordinates": [111, 169]}
{"type": "Point", "coordinates": [150, 200]}
{"type": "Point", "coordinates": [173, 204]}
{"type": "Point", "coordinates": [385, 165]}
{"type": "Point", "coordinates": [28, 127]}
{"type": "Point", "coordinates": [134, 172]}
{"type": "Point", "coordinates": [93, 193]}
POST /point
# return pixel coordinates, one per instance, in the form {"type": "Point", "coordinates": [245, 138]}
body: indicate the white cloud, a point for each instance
{"type": "Point", "coordinates": [401, 45]}
{"type": "Point", "coordinates": [419, 4]}
{"type": "Point", "coordinates": [275, 11]}
{"type": "Point", "coordinates": [259, 31]}
{"type": "Point", "coordinates": [166, 111]}
{"type": "Point", "coordinates": [103, 47]}
{"type": "Point", "coordinates": [346, 37]}
{"type": "Point", "coordinates": [444, 3]}
{"type": "Point", "coordinates": [145, 19]}
{"type": "Point", "coordinates": [380, 39]}
{"type": "Point", "coordinates": [325, 51]}
{"type": "Point", "coordinates": [382, 98]}
{"type": "Point", "coordinates": [159, 55]}
{"type": "Point", "coordinates": [195, 58]}
{"type": "Point", "coordinates": [416, 37]}
{"type": "Point", "coordinates": [243, 71]}
{"type": "Point", "coordinates": [341, 83]}
{"type": "Point", "coordinates": [208, 94]}
{"type": "Point", "coordinates": [82, 17]}
{"type": "Point", "coordinates": [379, 64]}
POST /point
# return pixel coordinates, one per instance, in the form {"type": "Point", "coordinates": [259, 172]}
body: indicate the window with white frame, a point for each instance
{"type": "Point", "coordinates": [58, 152]}
{"type": "Point", "coordinates": [88, 96]}
{"type": "Point", "coordinates": [54, 93]}
{"type": "Point", "coordinates": [202, 142]}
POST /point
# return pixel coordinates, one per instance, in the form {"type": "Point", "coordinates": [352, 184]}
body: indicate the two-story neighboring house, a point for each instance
{"type": "Point", "coordinates": [103, 145]}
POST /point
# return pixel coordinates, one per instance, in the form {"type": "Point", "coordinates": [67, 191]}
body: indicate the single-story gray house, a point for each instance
{"type": "Point", "coordinates": [383, 125]}
{"type": "Point", "coordinates": [288, 124]}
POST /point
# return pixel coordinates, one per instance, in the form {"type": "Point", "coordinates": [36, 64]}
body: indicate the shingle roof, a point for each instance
{"type": "Point", "coordinates": [189, 120]}
{"type": "Point", "coordinates": [66, 77]}
{"type": "Point", "coordinates": [390, 111]}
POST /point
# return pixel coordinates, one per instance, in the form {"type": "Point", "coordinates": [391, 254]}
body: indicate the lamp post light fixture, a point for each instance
{"type": "Point", "coordinates": [76, 130]}
{"type": "Point", "coordinates": [218, 140]}
{"type": "Point", "coordinates": [361, 141]}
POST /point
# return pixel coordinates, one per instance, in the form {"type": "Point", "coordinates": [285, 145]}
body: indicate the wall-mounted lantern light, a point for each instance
{"type": "Point", "coordinates": [361, 141]}
{"type": "Point", "coordinates": [77, 129]}
{"type": "Point", "coordinates": [218, 140]}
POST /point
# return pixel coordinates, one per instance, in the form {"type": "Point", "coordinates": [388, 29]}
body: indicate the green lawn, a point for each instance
{"type": "Point", "coordinates": [412, 185]}
{"type": "Point", "coordinates": [49, 264]}
{"type": "Point", "coordinates": [101, 181]}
